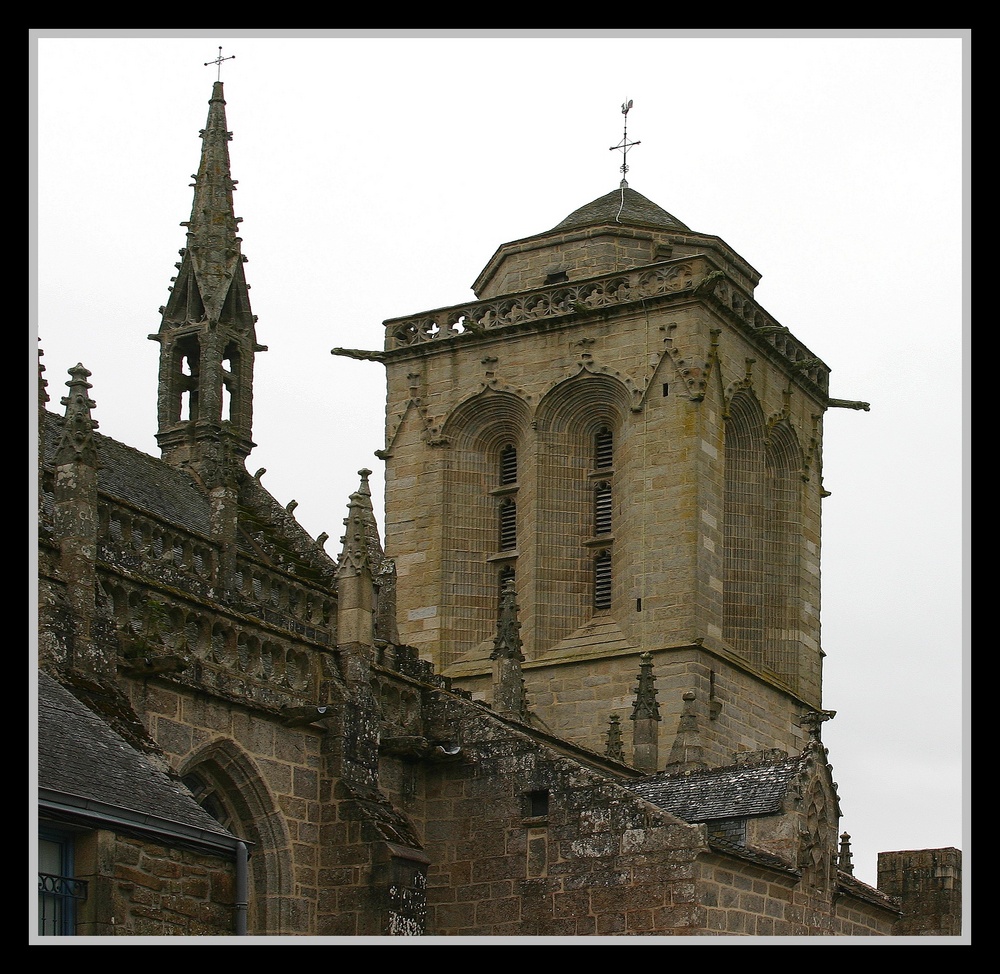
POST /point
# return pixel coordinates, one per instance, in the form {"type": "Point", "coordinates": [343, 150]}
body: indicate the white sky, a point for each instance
{"type": "Point", "coordinates": [377, 176]}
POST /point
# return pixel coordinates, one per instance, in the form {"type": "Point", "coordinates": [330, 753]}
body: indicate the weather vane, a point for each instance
{"type": "Point", "coordinates": [624, 145]}
{"type": "Point", "coordinates": [218, 61]}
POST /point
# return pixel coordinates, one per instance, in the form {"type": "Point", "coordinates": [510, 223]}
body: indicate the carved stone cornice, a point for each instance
{"type": "Point", "coordinates": [547, 303]}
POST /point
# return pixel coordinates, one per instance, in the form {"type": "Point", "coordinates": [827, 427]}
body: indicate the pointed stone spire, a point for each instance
{"type": "Point", "coordinates": [77, 441]}
{"type": "Point", "coordinates": [614, 749]}
{"type": "Point", "coordinates": [213, 248]}
{"type": "Point", "coordinates": [361, 544]}
{"type": "Point", "coordinates": [366, 512]}
{"type": "Point", "coordinates": [686, 753]}
{"type": "Point", "coordinates": [207, 332]}
{"type": "Point", "coordinates": [646, 718]}
{"type": "Point", "coordinates": [355, 589]}
{"type": "Point", "coordinates": [508, 683]}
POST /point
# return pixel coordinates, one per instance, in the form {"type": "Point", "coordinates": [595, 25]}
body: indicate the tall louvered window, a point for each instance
{"type": "Point", "coordinates": [602, 507]}
{"type": "Point", "coordinates": [603, 448]}
{"type": "Point", "coordinates": [508, 465]}
{"type": "Point", "coordinates": [506, 473]}
{"type": "Point", "coordinates": [600, 480]}
{"type": "Point", "coordinates": [508, 524]}
{"type": "Point", "coordinates": [602, 580]}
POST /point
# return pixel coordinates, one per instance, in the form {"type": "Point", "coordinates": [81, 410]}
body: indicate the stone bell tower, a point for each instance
{"type": "Point", "coordinates": [617, 426]}
{"type": "Point", "coordinates": [207, 332]}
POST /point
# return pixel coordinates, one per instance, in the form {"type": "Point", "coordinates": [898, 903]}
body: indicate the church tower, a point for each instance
{"type": "Point", "coordinates": [207, 334]}
{"type": "Point", "coordinates": [617, 426]}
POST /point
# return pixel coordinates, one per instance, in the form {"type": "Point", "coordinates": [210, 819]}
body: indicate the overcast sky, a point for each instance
{"type": "Point", "coordinates": [377, 176]}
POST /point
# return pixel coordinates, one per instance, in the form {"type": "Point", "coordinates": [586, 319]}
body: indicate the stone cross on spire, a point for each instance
{"type": "Point", "coordinates": [218, 62]}
{"type": "Point", "coordinates": [624, 145]}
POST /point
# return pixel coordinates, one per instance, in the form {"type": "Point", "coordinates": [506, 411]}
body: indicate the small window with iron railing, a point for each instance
{"type": "Point", "coordinates": [59, 891]}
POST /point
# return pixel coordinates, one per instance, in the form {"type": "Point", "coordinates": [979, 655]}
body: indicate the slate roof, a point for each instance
{"type": "Point", "coordinates": [757, 856]}
{"type": "Point", "coordinates": [84, 764]}
{"type": "Point", "coordinates": [848, 884]}
{"type": "Point", "coordinates": [609, 209]}
{"type": "Point", "coordinates": [720, 793]}
{"type": "Point", "coordinates": [141, 480]}
{"type": "Point", "coordinates": [149, 484]}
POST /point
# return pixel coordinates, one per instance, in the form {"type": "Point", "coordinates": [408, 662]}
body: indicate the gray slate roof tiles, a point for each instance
{"type": "Point", "coordinates": [720, 793]}
{"type": "Point", "coordinates": [80, 756]}
{"type": "Point", "coordinates": [628, 208]}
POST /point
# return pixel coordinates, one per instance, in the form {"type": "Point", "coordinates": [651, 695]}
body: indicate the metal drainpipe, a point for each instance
{"type": "Point", "coordinates": [242, 900]}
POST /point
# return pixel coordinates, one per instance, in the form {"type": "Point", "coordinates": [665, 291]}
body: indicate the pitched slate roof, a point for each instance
{"type": "Point", "coordinates": [620, 206]}
{"type": "Point", "coordinates": [141, 480]}
{"type": "Point", "coordinates": [150, 484]}
{"type": "Point", "coordinates": [83, 764]}
{"type": "Point", "coordinates": [720, 793]}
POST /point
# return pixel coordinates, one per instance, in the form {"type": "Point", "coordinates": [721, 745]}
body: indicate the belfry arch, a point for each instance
{"type": "Point", "coordinates": [763, 529]}
{"type": "Point", "coordinates": [583, 438]}
{"type": "Point", "coordinates": [487, 464]}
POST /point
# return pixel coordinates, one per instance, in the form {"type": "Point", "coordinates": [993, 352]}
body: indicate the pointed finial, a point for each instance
{"type": "Point", "coordinates": [507, 643]}
{"type": "Point", "coordinates": [614, 749]}
{"type": "Point", "coordinates": [77, 441]}
{"type": "Point", "coordinates": [218, 62]}
{"type": "Point", "coordinates": [645, 706]}
{"type": "Point", "coordinates": [845, 861]}
{"type": "Point", "coordinates": [625, 145]}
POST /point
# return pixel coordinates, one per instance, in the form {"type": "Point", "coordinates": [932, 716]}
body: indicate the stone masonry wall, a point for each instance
{"type": "Point", "coordinates": [734, 709]}
{"type": "Point", "coordinates": [741, 899]}
{"type": "Point", "coordinates": [270, 782]}
{"type": "Point", "coordinates": [928, 883]}
{"type": "Point", "coordinates": [524, 842]}
{"type": "Point", "coordinates": [143, 889]}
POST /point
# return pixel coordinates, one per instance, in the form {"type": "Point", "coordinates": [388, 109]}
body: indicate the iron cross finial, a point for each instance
{"type": "Point", "coordinates": [218, 61]}
{"type": "Point", "coordinates": [625, 145]}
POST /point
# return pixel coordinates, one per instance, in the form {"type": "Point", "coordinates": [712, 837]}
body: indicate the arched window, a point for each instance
{"type": "Point", "coordinates": [186, 379]}
{"type": "Point", "coordinates": [210, 799]}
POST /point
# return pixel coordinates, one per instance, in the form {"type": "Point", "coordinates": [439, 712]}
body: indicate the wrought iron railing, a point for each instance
{"type": "Point", "coordinates": [57, 899]}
